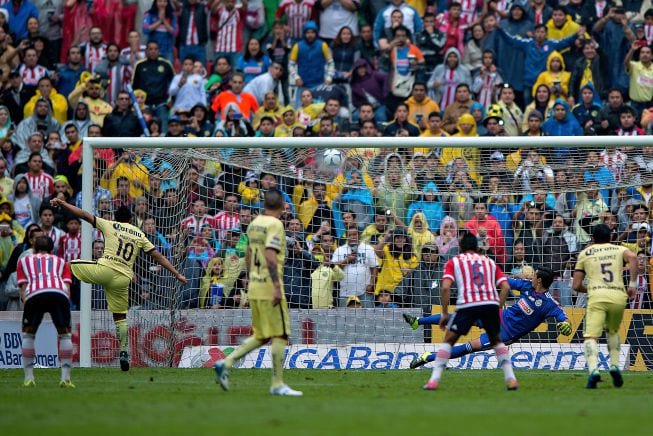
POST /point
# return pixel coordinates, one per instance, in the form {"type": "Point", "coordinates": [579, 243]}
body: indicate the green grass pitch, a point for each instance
{"type": "Point", "coordinates": [187, 401]}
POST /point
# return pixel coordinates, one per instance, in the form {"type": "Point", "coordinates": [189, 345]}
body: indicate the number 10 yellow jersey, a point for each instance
{"type": "Point", "coordinates": [122, 242]}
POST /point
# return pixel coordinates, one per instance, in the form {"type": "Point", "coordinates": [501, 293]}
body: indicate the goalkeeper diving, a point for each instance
{"type": "Point", "coordinates": [535, 305]}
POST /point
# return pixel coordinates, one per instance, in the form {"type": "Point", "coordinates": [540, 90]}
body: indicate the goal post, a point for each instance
{"type": "Point", "coordinates": [292, 165]}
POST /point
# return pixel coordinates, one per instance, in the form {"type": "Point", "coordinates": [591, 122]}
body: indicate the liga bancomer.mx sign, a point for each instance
{"type": "Point", "coordinates": [398, 356]}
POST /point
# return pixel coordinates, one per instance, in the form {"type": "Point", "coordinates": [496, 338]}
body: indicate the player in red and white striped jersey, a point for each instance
{"type": "Point", "coordinates": [44, 281]}
{"type": "Point", "coordinates": [229, 21]}
{"type": "Point", "coordinates": [40, 183]}
{"type": "Point", "coordinates": [297, 13]}
{"type": "Point", "coordinates": [476, 277]}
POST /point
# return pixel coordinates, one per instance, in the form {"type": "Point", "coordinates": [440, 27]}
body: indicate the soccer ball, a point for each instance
{"type": "Point", "coordinates": [333, 158]}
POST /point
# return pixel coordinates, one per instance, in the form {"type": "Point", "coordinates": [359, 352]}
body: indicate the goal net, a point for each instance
{"type": "Point", "coordinates": [370, 223]}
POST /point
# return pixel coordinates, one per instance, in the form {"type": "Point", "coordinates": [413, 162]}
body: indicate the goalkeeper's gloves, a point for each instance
{"type": "Point", "coordinates": [564, 327]}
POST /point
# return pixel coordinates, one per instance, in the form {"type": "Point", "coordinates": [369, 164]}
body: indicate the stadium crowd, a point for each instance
{"type": "Point", "coordinates": [377, 231]}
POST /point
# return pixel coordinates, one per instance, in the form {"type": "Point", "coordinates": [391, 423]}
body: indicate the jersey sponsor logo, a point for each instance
{"type": "Point", "coordinates": [121, 228]}
{"type": "Point", "coordinates": [523, 305]}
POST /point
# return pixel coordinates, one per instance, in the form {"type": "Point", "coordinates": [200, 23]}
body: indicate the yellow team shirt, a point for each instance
{"type": "Point", "coordinates": [641, 82]}
{"type": "Point", "coordinates": [263, 233]}
{"type": "Point", "coordinates": [122, 242]}
{"type": "Point", "coordinates": [132, 172]}
{"type": "Point", "coordinates": [603, 265]}
{"type": "Point", "coordinates": [391, 271]}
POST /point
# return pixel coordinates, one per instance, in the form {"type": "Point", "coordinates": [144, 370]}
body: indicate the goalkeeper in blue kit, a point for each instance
{"type": "Point", "coordinates": [535, 305]}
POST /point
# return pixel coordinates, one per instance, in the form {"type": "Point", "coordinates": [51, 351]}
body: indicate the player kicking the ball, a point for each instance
{"type": "Point", "coordinates": [477, 278]}
{"type": "Point", "coordinates": [114, 270]}
{"type": "Point", "coordinates": [266, 252]}
{"type": "Point", "coordinates": [534, 306]}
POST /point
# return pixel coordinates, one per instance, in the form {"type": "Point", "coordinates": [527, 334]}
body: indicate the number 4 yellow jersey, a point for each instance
{"type": "Point", "coordinates": [263, 233]}
{"type": "Point", "coordinates": [122, 242]}
{"type": "Point", "coordinates": [603, 265]}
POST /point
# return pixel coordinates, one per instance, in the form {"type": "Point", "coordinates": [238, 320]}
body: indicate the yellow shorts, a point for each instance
{"type": "Point", "coordinates": [603, 314]}
{"type": "Point", "coordinates": [270, 321]}
{"type": "Point", "coordinates": [116, 285]}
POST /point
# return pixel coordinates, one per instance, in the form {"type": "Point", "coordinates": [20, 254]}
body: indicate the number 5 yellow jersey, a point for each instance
{"type": "Point", "coordinates": [122, 242]}
{"type": "Point", "coordinates": [603, 265]}
{"type": "Point", "coordinates": [263, 233]}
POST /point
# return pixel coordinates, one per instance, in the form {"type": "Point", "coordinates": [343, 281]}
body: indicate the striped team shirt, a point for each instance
{"type": "Point", "coordinates": [195, 225]}
{"type": "Point", "coordinates": [486, 94]}
{"type": "Point", "coordinates": [93, 55]}
{"type": "Point", "coordinates": [615, 162]}
{"type": "Point", "coordinates": [116, 83]}
{"type": "Point", "coordinates": [55, 234]}
{"type": "Point", "coordinates": [127, 70]}
{"type": "Point", "coordinates": [476, 278]}
{"type": "Point", "coordinates": [470, 9]}
{"type": "Point", "coordinates": [43, 273]}
{"type": "Point", "coordinates": [41, 185]}
{"type": "Point", "coordinates": [229, 37]}
{"type": "Point", "coordinates": [71, 246]}
{"type": "Point", "coordinates": [225, 221]}
{"type": "Point", "coordinates": [31, 76]}
{"type": "Point", "coordinates": [297, 14]}
{"type": "Point", "coordinates": [448, 89]}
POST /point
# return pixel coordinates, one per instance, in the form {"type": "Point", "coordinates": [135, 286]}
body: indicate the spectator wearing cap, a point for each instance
{"type": "Point", "coordinates": [421, 286]}
{"type": "Point", "coordinates": [324, 276]}
{"type": "Point", "coordinates": [494, 125]}
{"type": "Point", "coordinates": [420, 105]}
{"type": "Point", "coordinates": [298, 267]}
{"type": "Point", "coordinates": [91, 91]}
{"type": "Point", "coordinates": [497, 168]}
{"type": "Point", "coordinates": [639, 238]}
{"type": "Point", "coordinates": [175, 127]}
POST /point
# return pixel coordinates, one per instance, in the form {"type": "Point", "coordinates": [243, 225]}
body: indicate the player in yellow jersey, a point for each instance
{"type": "Point", "coordinates": [603, 263]}
{"type": "Point", "coordinates": [114, 270]}
{"type": "Point", "coordinates": [266, 252]}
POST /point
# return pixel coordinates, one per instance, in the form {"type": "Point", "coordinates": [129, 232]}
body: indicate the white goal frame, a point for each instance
{"type": "Point", "coordinates": [89, 144]}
